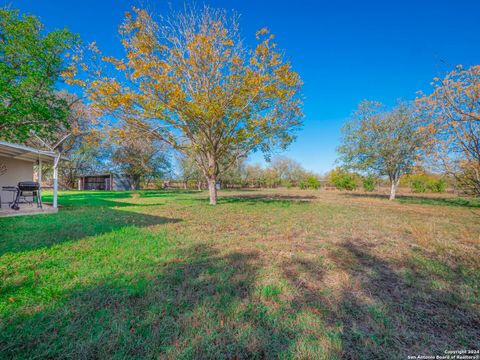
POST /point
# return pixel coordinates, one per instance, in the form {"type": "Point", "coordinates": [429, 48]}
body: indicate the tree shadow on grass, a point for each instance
{"type": "Point", "coordinates": [25, 233]}
{"type": "Point", "coordinates": [168, 192]}
{"type": "Point", "coordinates": [261, 199]}
{"type": "Point", "coordinates": [384, 313]}
{"type": "Point", "coordinates": [425, 200]}
{"type": "Point", "coordinates": [111, 198]}
{"type": "Point", "coordinates": [395, 314]}
{"type": "Point", "coordinates": [197, 305]}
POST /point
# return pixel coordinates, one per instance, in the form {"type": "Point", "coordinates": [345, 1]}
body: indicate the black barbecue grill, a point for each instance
{"type": "Point", "coordinates": [26, 190]}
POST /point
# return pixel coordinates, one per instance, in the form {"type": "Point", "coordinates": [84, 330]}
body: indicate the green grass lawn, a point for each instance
{"type": "Point", "coordinates": [265, 274]}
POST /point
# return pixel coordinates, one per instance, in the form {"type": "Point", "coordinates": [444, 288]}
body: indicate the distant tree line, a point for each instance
{"type": "Point", "coordinates": [418, 182]}
{"type": "Point", "coordinates": [280, 172]}
{"type": "Point", "coordinates": [190, 89]}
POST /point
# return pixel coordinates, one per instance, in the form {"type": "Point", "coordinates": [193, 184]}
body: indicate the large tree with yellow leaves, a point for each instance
{"type": "Point", "coordinates": [192, 82]}
{"type": "Point", "coordinates": [452, 113]}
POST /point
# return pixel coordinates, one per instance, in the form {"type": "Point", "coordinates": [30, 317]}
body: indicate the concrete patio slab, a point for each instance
{"type": "Point", "coordinates": [26, 209]}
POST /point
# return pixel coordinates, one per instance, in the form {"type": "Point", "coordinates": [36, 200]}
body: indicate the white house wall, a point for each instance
{"type": "Point", "coordinates": [13, 171]}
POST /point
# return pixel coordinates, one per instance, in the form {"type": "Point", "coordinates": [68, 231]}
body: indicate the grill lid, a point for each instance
{"type": "Point", "coordinates": [28, 185]}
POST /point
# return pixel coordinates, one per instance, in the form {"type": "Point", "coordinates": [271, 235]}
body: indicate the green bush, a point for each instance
{"type": "Point", "coordinates": [343, 180]}
{"type": "Point", "coordinates": [310, 182]}
{"type": "Point", "coordinates": [369, 183]}
{"type": "Point", "coordinates": [287, 184]}
{"type": "Point", "coordinates": [418, 185]}
{"type": "Point", "coordinates": [437, 186]}
{"type": "Point", "coordinates": [348, 183]}
{"type": "Point", "coordinates": [313, 183]}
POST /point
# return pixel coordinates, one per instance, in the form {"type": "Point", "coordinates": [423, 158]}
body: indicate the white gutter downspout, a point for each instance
{"type": "Point", "coordinates": [40, 178]}
{"type": "Point", "coordinates": [55, 179]}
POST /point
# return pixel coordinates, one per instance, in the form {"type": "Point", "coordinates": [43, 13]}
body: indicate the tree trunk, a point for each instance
{"type": "Point", "coordinates": [135, 183]}
{"type": "Point", "coordinates": [199, 185]}
{"type": "Point", "coordinates": [393, 189]}
{"type": "Point", "coordinates": [212, 190]}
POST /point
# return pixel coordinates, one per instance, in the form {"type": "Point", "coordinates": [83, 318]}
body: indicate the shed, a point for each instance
{"type": "Point", "coordinates": [17, 161]}
{"type": "Point", "coordinates": [106, 181]}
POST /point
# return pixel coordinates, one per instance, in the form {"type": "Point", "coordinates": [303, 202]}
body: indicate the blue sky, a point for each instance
{"type": "Point", "coordinates": [345, 51]}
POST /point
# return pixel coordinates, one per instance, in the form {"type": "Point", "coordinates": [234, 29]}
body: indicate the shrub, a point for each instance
{"type": "Point", "coordinates": [418, 185]}
{"type": "Point", "coordinates": [310, 182]}
{"type": "Point", "coordinates": [437, 186]}
{"type": "Point", "coordinates": [313, 183]}
{"type": "Point", "coordinates": [369, 183]}
{"type": "Point", "coordinates": [348, 183]}
{"type": "Point", "coordinates": [343, 180]}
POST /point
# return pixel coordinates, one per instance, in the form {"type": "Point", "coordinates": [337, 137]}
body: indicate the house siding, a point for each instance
{"type": "Point", "coordinates": [14, 171]}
